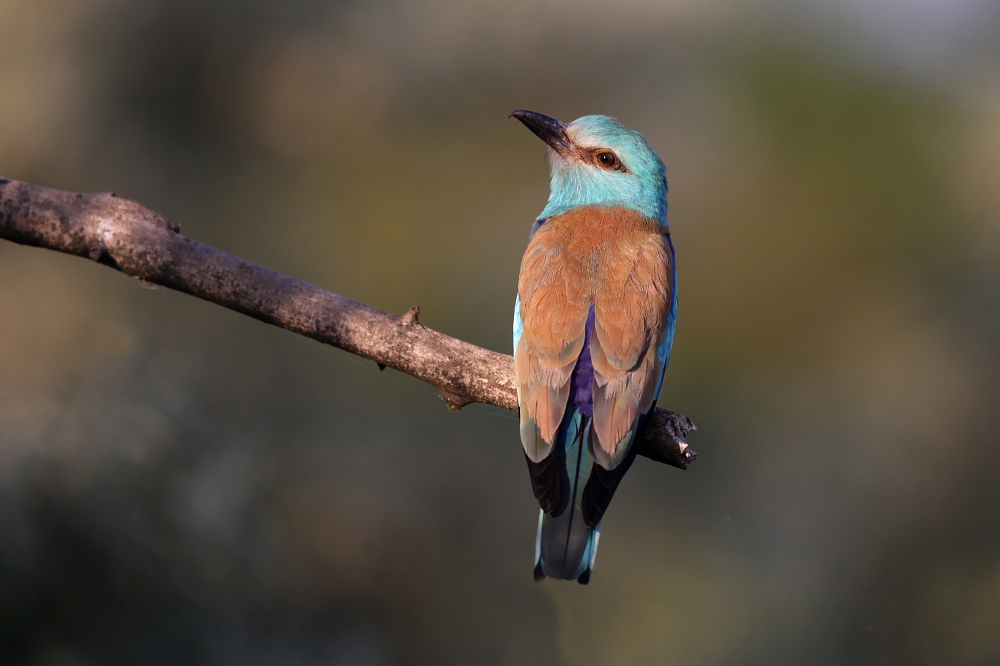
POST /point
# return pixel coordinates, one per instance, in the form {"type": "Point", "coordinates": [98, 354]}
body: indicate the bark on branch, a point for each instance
{"type": "Point", "coordinates": [141, 243]}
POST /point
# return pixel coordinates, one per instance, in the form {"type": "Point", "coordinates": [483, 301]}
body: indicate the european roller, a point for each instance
{"type": "Point", "coordinates": [593, 327]}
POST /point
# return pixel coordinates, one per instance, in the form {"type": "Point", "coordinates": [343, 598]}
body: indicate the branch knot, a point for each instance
{"type": "Point", "coordinates": [411, 317]}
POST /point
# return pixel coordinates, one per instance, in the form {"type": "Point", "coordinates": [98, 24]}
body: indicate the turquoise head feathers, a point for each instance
{"type": "Point", "coordinates": [597, 161]}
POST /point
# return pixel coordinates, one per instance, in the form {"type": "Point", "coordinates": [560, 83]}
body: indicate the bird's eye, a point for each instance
{"type": "Point", "coordinates": [607, 160]}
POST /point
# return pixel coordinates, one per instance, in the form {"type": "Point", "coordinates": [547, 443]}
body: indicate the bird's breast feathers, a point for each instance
{"type": "Point", "coordinates": [618, 262]}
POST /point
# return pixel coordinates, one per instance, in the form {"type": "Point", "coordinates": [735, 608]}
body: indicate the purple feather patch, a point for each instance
{"type": "Point", "coordinates": [581, 386]}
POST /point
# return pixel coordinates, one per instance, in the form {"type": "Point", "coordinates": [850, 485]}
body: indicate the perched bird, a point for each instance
{"type": "Point", "coordinates": [593, 327]}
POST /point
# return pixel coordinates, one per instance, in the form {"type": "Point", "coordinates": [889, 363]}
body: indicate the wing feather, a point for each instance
{"type": "Point", "coordinates": [632, 310]}
{"type": "Point", "coordinates": [553, 309]}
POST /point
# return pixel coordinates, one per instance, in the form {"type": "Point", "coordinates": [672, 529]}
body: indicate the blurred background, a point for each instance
{"type": "Point", "coordinates": [180, 484]}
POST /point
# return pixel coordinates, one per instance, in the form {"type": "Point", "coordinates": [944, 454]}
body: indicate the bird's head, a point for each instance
{"type": "Point", "coordinates": [597, 161]}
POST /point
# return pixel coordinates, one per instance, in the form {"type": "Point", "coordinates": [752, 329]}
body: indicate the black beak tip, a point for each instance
{"type": "Point", "coordinates": [549, 130]}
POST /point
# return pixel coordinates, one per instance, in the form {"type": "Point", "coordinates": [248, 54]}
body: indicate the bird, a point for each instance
{"type": "Point", "coordinates": [594, 322]}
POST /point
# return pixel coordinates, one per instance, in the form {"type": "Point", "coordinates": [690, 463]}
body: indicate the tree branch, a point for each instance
{"type": "Point", "coordinates": [141, 243]}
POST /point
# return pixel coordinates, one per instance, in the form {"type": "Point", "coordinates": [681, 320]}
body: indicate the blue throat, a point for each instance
{"type": "Point", "coordinates": [574, 190]}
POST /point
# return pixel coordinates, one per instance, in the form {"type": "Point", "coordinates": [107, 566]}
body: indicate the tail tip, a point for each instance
{"type": "Point", "coordinates": [539, 575]}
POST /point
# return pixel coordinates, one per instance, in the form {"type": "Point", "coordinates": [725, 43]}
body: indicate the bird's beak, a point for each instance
{"type": "Point", "coordinates": [549, 130]}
